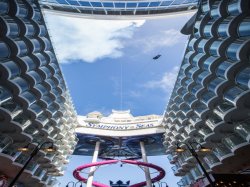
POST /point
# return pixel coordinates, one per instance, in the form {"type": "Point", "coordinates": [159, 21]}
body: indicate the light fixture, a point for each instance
{"type": "Point", "coordinates": [23, 149]}
{"type": "Point", "coordinates": [179, 149]}
{"type": "Point", "coordinates": [205, 149]}
{"type": "Point", "coordinates": [49, 149]}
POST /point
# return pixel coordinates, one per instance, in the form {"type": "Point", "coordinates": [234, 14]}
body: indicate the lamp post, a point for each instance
{"type": "Point", "coordinates": [160, 184]}
{"type": "Point", "coordinates": [195, 155]}
{"type": "Point", "coordinates": [78, 182]}
{"type": "Point", "coordinates": [69, 183]}
{"type": "Point", "coordinates": [33, 153]}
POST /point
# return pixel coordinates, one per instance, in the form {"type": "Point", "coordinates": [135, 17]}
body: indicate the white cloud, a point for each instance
{"type": "Point", "coordinates": [134, 93]}
{"type": "Point", "coordinates": [89, 40]}
{"type": "Point", "coordinates": [166, 38]}
{"type": "Point", "coordinates": [166, 83]}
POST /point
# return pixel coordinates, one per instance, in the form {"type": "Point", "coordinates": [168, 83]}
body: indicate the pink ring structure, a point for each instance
{"type": "Point", "coordinates": [161, 175]}
{"type": "Point", "coordinates": [77, 175]}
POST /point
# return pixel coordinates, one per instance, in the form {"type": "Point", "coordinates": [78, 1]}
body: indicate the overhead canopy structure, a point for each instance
{"type": "Point", "coordinates": [120, 134]}
{"type": "Point", "coordinates": [109, 9]}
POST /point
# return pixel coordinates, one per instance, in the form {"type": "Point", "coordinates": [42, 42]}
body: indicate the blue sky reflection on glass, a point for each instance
{"type": "Point", "coordinates": [93, 53]}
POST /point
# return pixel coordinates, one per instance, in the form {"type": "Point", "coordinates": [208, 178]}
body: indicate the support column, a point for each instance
{"type": "Point", "coordinates": [146, 169]}
{"type": "Point", "coordinates": [92, 169]}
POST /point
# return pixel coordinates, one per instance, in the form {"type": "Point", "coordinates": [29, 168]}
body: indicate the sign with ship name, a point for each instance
{"type": "Point", "coordinates": [120, 127]}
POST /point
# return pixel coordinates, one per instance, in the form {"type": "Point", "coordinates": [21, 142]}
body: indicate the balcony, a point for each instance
{"type": "Point", "coordinates": [5, 142]}
{"type": "Point", "coordinates": [196, 173]}
{"type": "Point", "coordinates": [212, 161]}
{"type": "Point", "coordinates": [243, 129]}
{"type": "Point", "coordinates": [243, 78]}
{"type": "Point", "coordinates": [11, 152]}
{"type": "Point", "coordinates": [222, 152]}
{"type": "Point", "coordinates": [12, 107]}
{"type": "Point", "coordinates": [205, 132]}
{"type": "Point", "coordinates": [213, 121]}
{"type": "Point", "coordinates": [235, 50]}
{"type": "Point", "coordinates": [243, 29]}
{"type": "Point", "coordinates": [171, 159]}
{"type": "Point", "coordinates": [22, 158]}
{"type": "Point", "coordinates": [39, 173]}
{"type": "Point", "coordinates": [177, 170]}
{"type": "Point", "coordinates": [234, 142]}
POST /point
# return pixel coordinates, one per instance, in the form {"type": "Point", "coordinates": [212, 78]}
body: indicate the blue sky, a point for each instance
{"type": "Point", "coordinates": [93, 55]}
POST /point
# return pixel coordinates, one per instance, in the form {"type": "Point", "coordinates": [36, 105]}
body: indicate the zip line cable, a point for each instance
{"type": "Point", "coordinates": [121, 86]}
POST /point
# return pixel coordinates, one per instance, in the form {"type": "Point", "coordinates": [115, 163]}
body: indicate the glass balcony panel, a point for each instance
{"type": "Point", "coordinates": [211, 159]}
{"type": "Point", "coordinates": [224, 107]}
{"type": "Point", "coordinates": [205, 131]}
{"type": "Point", "coordinates": [243, 77]}
{"type": "Point", "coordinates": [46, 43]}
{"type": "Point", "coordinates": [46, 71]}
{"type": "Point", "coordinates": [214, 10]}
{"type": "Point", "coordinates": [213, 120]}
{"type": "Point", "coordinates": [199, 108]}
{"type": "Point", "coordinates": [40, 59]}
{"type": "Point", "coordinates": [223, 28]}
{"type": "Point", "coordinates": [232, 94]}
{"type": "Point", "coordinates": [190, 99]}
{"type": "Point", "coordinates": [192, 71]}
{"type": "Point", "coordinates": [210, 60]}
{"type": "Point", "coordinates": [13, 29]}
{"type": "Point", "coordinates": [5, 141]}
{"type": "Point", "coordinates": [12, 68]}
{"type": "Point", "coordinates": [175, 169]}
{"type": "Point", "coordinates": [243, 129]}
{"type": "Point", "coordinates": [202, 76]}
{"type": "Point", "coordinates": [189, 178]}
{"type": "Point", "coordinates": [196, 172]}
{"type": "Point", "coordinates": [221, 150]}
{"type": "Point", "coordinates": [37, 109]}
{"type": "Point", "coordinates": [207, 97]}
{"type": "Point", "coordinates": [222, 68]}
{"type": "Point", "coordinates": [201, 46]}
{"type": "Point", "coordinates": [22, 47]}
{"type": "Point", "coordinates": [11, 151]}
{"type": "Point", "coordinates": [5, 95]}
{"type": "Point", "coordinates": [39, 173]}
{"type": "Point", "coordinates": [232, 50]}
{"type": "Point", "coordinates": [41, 88]}
{"type": "Point", "coordinates": [4, 50]}
{"type": "Point", "coordinates": [214, 48]}
{"type": "Point", "coordinates": [23, 120]}
{"type": "Point", "coordinates": [233, 140]}
{"type": "Point", "coordinates": [195, 89]}
{"type": "Point", "coordinates": [22, 158]}
{"type": "Point", "coordinates": [31, 130]}
{"type": "Point", "coordinates": [30, 97]}
{"type": "Point", "coordinates": [187, 82]}
{"type": "Point", "coordinates": [214, 83]}
{"type": "Point", "coordinates": [30, 64]}
{"type": "Point", "coordinates": [43, 118]}
{"type": "Point", "coordinates": [32, 166]}
{"type": "Point", "coordinates": [12, 106]}
{"type": "Point", "coordinates": [244, 29]}
{"type": "Point", "coordinates": [36, 45]}
{"type": "Point", "coordinates": [207, 30]}
{"type": "Point", "coordinates": [35, 76]}
{"type": "Point", "coordinates": [170, 158]}
{"type": "Point", "coordinates": [30, 30]}
{"type": "Point", "coordinates": [23, 84]}
{"type": "Point", "coordinates": [233, 8]}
